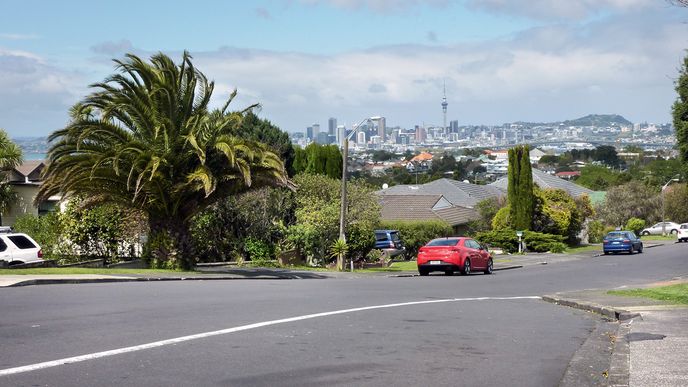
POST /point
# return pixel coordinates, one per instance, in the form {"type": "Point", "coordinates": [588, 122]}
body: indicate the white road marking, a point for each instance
{"type": "Point", "coordinates": [97, 355]}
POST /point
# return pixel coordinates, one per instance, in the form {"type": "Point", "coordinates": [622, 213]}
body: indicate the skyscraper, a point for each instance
{"type": "Point", "coordinates": [316, 132]}
{"type": "Point", "coordinates": [444, 107]}
{"type": "Point", "coordinates": [332, 127]}
{"type": "Point", "coordinates": [309, 133]}
{"type": "Point", "coordinates": [380, 127]}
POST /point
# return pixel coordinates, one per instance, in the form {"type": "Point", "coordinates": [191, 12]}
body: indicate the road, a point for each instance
{"type": "Point", "coordinates": [360, 330]}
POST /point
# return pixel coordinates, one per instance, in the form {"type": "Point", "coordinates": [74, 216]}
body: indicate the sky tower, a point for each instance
{"type": "Point", "coordinates": [444, 107]}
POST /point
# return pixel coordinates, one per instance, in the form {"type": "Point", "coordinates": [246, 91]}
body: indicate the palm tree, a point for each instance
{"type": "Point", "coordinates": [146, 140]}
{"type": "Point", "coordinates": [10, 158]}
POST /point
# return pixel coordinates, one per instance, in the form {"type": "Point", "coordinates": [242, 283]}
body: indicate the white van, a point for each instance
{"type": "Point", "coordinates": [17, 248]}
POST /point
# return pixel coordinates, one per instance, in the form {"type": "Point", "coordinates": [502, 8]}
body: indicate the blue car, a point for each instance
{"type": "Point", "coordinates": [625, 241]}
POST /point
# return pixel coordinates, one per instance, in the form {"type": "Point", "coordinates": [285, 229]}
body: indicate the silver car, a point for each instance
{"type": "Point", "coordinates": [660, 228]}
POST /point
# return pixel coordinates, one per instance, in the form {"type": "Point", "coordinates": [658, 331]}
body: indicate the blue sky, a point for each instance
{"type": "Point", "coordinates": [307, 60]}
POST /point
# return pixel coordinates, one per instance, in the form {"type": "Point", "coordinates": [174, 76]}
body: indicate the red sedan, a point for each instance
{"type": "Point", "coordinates": [452, 254]}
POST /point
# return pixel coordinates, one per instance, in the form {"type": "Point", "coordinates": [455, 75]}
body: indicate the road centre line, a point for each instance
{"type": "Point", "coordinates": [97, 355]}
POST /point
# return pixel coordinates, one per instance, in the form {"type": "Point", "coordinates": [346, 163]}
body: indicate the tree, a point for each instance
{"type": "Point", "coordinates": [520, 188]}
{"type": "Point", "coordinates": [10, 157]}
{"type": "Point", "coordinates": [607, 155]}
{"type": "Point", "coordinates": [680, 114]}
{"type": "Point", "coordinates": [145, 139]}
{"type": "Point", "coordinates": [675, 199]}
{"type": "Point", "coordinates": [631, 200]}
{"type": "Point", "coordinates": [261, 130]}
{"type": "Point", "coordinates": [598, 178]}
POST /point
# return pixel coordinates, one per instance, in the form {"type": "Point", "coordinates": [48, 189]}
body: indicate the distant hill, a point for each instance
{"type": "Point", "coordinates": [599, 120]}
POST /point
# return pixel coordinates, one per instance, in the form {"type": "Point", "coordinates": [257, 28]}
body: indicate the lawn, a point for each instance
{"type": "Point", "coordinates": [82, 270]}
{"type": "Point", "coordinates": [675, 294]}
{"type": "Point", "coordinates": [583, 249]}
{"type": "Point", "coordinates": [658, 238]}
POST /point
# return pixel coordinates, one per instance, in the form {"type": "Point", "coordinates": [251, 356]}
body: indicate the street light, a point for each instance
{"type": "Point", "coordinates": [674, 179]}
{"type": "Point", "coordinates": [342, 210]}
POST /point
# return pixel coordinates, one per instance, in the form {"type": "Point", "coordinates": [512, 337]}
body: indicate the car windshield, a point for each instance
{"type": "Point", "coordinates": [684, 227]}
{"type": "Point", "coordinates": [381, 236]}
{"type": "Point", "coordinates": [443, 242]}
{"type": "Point", "coordinates": [616, 235]}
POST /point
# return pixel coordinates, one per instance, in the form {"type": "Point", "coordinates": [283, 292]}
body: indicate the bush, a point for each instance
{"type": "Point", "coordinates": [535, 241]}
{"type": "Point", "coordinates": [45, 230]}
{"type": "Point", "coordinates": [595, 231]}
{"type": "Point", "coordinates": [257, 251]}
{"type": "Point", "coordinates": [636, 225]}
{"type": "Point", "coordinates": [501, 219]}
{"type": "Point", "coordinates": [416, 234]}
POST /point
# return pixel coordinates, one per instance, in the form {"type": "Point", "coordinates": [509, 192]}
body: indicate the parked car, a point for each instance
{"type": "Point", "coordinates": [454, 254]}
{"type": "Point", "coordinates": [682, 234]}
{"type": "Point", "coordinates": [621, 241]}
{"type": "Point", "coordinates": [18, 248]}
{"type": "Point", "coordinates": [389, 242]}
{"type": "Point", "coordinates": [669, 228]}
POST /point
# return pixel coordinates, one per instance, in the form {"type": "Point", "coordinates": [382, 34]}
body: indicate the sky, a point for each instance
{"type": "Point", "coordinates": [307, 60]}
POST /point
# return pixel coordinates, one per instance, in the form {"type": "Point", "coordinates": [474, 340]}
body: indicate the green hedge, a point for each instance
{"type": "Point", "coordinates": [416, 234]}
{"type": "Point", "coordinates": [535, 241]}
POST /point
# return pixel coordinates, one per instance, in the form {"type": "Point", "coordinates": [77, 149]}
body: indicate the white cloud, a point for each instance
{"type": "Point", "coordinates": [382, 6]}
{"type": "Point", "coordinates": [10, 36]}
{"type": "Point", "coordinates": [566, 9]}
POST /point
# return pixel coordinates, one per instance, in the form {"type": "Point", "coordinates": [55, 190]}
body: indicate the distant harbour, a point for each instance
{"type": "Point", "coordinates": [34, 156]}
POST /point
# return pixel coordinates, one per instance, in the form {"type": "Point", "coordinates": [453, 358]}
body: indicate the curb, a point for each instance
{"type": "Point", "coordinates": [606, 311]}
{"type": "Point", "coordinates": [146, 279]}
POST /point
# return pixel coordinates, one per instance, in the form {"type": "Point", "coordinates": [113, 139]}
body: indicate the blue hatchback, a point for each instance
{"type": "Point", "coordinates": [617, 241]}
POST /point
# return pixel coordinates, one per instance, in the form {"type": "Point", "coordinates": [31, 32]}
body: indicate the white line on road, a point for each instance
{"type": "Point", "coordinates": [97, 355]}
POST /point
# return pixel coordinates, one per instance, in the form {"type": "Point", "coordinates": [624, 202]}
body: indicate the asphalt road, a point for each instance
{"type": "Point", "coordinates": [474, 331]}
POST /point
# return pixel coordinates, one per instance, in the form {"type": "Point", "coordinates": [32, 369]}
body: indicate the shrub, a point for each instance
{"type": "Point", "coordinates": [636, 225]}
{"type": "Point", "coordinates": [595, 231]}
{"type": "Point", "coordinates": [257, 251]}
{"type": "Point", "coordinates": [45, 230]}
{"type": "Point", "coordinates": [501, 219]}
{"type": "Point", "coordinates": [416, 234]}
{"type": "Point", "coordinates": [535, 241]}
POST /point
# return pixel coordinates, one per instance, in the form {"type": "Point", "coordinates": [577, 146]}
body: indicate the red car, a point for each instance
{"type": "Point", "coordinates": [454, 253]}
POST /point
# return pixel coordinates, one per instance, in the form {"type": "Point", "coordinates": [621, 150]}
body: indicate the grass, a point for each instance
{"type": "Point", "coordinates": [583, 249]}
{"type": "Point", "coordinates": [675, 294]}
{"type": "Point", "coordinates": [82, 270]}
{"type": "Point", "coordinates": [658, 238]}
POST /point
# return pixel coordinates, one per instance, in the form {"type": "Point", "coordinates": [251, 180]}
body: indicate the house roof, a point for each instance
{"type": "Point", "coordinates": [424, 156]}
{"type": "Point", "coordinates": [545, 181]}
{"type": "Point", "coordinates": [28, 166]}
{"type": "Point", "coordinates": [424, 208]}
{"type": "Point", "coordinates": [458, 193]}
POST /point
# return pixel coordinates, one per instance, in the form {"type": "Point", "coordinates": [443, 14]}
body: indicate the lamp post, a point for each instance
{"type": "Point", "coordinates": [674, 179]}
{"type": "Point", "coordinates": [342, 210]}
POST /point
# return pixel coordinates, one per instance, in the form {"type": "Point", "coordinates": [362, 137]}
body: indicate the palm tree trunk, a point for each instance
{"type": "Point", "coordinates": [170, 244]}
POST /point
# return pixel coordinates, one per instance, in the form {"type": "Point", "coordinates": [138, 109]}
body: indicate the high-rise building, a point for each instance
{"type": "Point", "coordinates": [381, 127]}
{"type": "Point", "coordinates": [322, 138]}
{"type": "Point", "coordinates": [332, 127]}
{"type": "Point", "coordinates": [316, 133]}
{"type": "Point", "coordinates": [361, 140]}
{"type": "Point", "coordinates": [341, 134]}
{"type": "Point", "coordinates": [454, 126]}
{"type": "Point", "coordinates": [309, 133]}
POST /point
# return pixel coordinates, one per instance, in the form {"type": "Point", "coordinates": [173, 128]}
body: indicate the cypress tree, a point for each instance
{"type": "Point", "coordinates": [680, 114]}
{"type": "Point", "coordinates": [520, 188]}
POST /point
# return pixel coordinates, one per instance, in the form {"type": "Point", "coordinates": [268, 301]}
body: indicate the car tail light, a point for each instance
{"type": "Point", "coordinates": [605, 241]}
{"type": "Point", "coordinates": [626, 241]}
{"type": "Point", "coordinates": [40, 254]}
{"type": "Point", "coordinates": [391, 244]}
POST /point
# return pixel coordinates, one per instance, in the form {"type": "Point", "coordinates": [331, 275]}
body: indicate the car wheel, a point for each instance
{"type": "Point", "coordinates": [489, 268]}
{"type": "Point", "coordinates": [640, 249]}
{"type": "Point", "coordinates": [645, 233]}
{"type": "Point", "coordinates": [674, 232]}
{"type": "Point", "coordinates": [423, 272]}
{"type": "Point", "coordinates": [466, 270]}
{"type": "Point", "coordinates": [605, 252]}
{"type": "Point", "coordinates": [631, 251]}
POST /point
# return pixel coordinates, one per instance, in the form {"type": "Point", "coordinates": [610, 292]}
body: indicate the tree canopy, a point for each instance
{"type": "Point", "coordinates": [145, 139]}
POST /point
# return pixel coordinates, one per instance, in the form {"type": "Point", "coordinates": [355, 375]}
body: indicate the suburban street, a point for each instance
{"type": "Point", "coordinates": [360, 330]}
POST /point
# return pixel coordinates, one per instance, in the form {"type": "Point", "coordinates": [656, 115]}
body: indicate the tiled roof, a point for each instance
{"type": "Point", "coordinates": [28, 166]}
{"type": "Point", "coordinates": [419, 208]}
{"type": "Point", "coordinates": [422, 157]}
{"type": "Point", "coordinates": [456, 192]}
{"type": "Point", "coordinates": [545, 180]}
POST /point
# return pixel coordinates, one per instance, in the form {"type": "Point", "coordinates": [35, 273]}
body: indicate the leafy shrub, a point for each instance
{"type": "Point", "coordinates": [257, 250]}
{"type": "Point", "coordinates": [636, 225]}
{"type": "Point", "coordinates": [501, 219]}
{"type": "Point", "coordinates": [416, 234]}
{"type": "Point", "coordinates": [535, 241]}
{"type": "Point", "coordinates": [45, 230]}
{"type": "Point", "coordinates": [595, 231]}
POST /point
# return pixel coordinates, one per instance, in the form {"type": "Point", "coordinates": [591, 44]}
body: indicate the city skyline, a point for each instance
{"type": "Point", "coordinates": [306, 61]}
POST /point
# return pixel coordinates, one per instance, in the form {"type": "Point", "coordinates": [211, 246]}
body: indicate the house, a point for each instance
{"type": "Point", "coordinates": [422, 162]}
{"type": "Point", "coordinates": [457, 193]}
{"type": "Point", "coordinates": [425, 208]}
{"type": "Point", "coordinates": [568, 175]}
{"type": "Point", "coordinates": [545, 181]}
{"type": "Point", "coordinates": [25, 181]}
